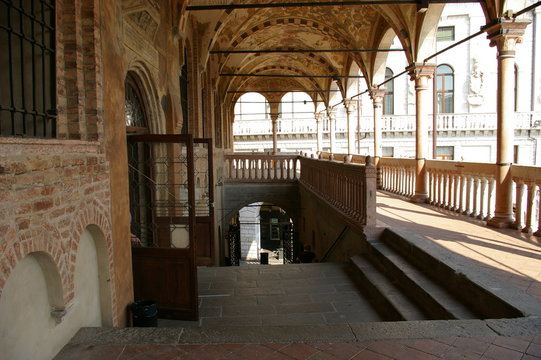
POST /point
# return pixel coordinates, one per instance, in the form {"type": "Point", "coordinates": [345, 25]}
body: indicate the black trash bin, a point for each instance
{"type": "Point", "coordinates": [144, 313]}
{"type": "Point", "coordinates": [263, 258]}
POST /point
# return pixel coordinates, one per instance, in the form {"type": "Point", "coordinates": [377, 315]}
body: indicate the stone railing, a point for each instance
{"type": "Point", "coordinates": [527, 201]}
{"type": "Point", "coordinates": [389, 123]}
{"type": "Point", "coordinates": [349, 188]}
{"type": "Point", "coordinates": [261, 167]}
{"type": "Point", "coordinates": [464, 187]}
{"type": "Point", "coordinates": [397, 175]}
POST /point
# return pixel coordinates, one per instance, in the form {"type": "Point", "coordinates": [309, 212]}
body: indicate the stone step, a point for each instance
{"type": "Point", "coordinates": [431, 296]}
{"type": "Point", "coordinates": [478, 290]}
{"type": "Point", "coordinates": [388, 299]}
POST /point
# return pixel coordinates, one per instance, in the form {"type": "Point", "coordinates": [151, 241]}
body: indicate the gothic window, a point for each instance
{"type": "Point", "coordinates": [388, 99]}
{"type": "Point", "coordinates": [445, 93]}
{"type": "Point", "coordinates": [135, 109]}
{"type": "Point", "coordinates": [27, 68]}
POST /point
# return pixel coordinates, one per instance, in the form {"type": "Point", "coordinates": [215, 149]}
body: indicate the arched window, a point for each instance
{"type": "Point", "coordinates": [388, 99]}
{"type": "Point", "coordinates": [135, 109]}
{"type": "Point", "coordinates": [445, 89]}
{"type": "Point", "coordinates": [27, 69]}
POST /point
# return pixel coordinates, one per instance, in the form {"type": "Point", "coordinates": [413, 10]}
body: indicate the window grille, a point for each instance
{"type": "Point", "coordinates": [27, 68]}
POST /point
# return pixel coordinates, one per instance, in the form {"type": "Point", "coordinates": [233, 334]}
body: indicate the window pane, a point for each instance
{"type": "Point", "coordinates": [446, 33]}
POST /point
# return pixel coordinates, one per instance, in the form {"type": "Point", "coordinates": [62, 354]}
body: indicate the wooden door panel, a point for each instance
{"type": "Point", "coordinates": [167, 277]}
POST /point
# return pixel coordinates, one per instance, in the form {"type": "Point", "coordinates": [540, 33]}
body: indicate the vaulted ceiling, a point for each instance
{"type": "Point", "coordinates": [277, 47]}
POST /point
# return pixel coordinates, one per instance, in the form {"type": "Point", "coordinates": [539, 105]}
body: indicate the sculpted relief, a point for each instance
{"type": "Point", "coordinates": [475, 96]}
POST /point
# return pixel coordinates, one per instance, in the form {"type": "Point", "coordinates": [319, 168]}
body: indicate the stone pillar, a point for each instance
{"type": "Point", "coordinates": [350, 106]}
{"type": "Point", "coordinates": [319, 128]}
{"type": "Point", "coordinates": [332, 130]}
{"type": "Point", "coordinates": [377, 99]}
{"type": "Point", "coordinates": [505, 34]}
{"type": "Point", "coordinates": [421, 74]}
{"type": "Point", "coordinates": [274, 119]}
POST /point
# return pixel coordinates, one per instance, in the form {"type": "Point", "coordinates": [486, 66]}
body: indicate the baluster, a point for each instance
{"type": "Point", "coordinates": [445, 191]}
{"type": "Point", "coordinates": [529, 208]}
{"type": "Point", "coordinates": [455, 205]}
{"type": "Point", "coordinates": [519, 204]}
{"type": "Point", "coordinates": [538, 232]}
{"type": "Point", "coordinates": [461, 207]}
{"type": "Point", "coordinates": [431, 187]}
{"type": "Point", "coordinates": [450, 193]}
{"type": "Point", "coordinates": [482, 186]}
{"type": "Point", "coordinates": [440, 189]}
{"type": "Point", "coordinates": [475, 197]}
{"type": "Point", "coordinates": [468, 206]}
{"type": "Point", "coordinates": [490, 200]}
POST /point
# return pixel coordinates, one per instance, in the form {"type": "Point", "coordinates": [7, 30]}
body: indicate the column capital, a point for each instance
{"type": "Point", "coordinates": [376, 94]}
{"type": "Point", "coordinates": [274, 116]}
{"type": "Point", "coordinates": [417, 71]}
{"type": "Point", "coordinates": [350, 105]}
{"type": "Point", "coordinates": [505, 33]}
{"type": "Point", "coordinates": [319, 116]}
{"type": "Point", "coordinates": [331, 112]}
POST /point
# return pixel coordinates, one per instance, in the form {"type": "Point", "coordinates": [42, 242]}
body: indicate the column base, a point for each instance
{"type": "Point", "coordinates": [419, 198]}
{"type": "Point", "coordinates": [500, 222]}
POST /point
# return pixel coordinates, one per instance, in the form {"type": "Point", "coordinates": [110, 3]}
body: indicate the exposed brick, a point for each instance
{"type": "Point", "coordinates": [43, 205]}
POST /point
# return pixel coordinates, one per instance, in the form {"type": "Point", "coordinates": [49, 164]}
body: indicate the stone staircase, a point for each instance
{"type": "Point", "coordinates": [408, 278]}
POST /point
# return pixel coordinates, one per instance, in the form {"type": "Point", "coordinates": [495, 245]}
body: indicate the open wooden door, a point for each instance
{"type": "Point", "coordinates": [162, 209]}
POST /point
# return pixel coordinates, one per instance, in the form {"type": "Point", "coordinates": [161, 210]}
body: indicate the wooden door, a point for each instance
{"type": "Point", "coordinates": [162, 210]}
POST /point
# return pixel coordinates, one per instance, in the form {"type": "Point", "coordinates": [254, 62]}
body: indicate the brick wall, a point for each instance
{"type": "Point", "coordinates": [50, 191]}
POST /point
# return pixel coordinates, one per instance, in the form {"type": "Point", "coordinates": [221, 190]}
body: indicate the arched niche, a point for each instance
{"type": "Point", "coordinates": [32, 309]}
{"type": "Point", "coordinates": [95, 234]}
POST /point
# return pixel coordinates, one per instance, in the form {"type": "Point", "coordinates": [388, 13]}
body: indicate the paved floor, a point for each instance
{"type": "Point", "coordinates": [508, 254]}
{"type": "Point", "coordinates": [293, 294]}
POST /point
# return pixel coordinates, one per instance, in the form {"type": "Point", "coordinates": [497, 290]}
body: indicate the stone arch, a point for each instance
{"type": "Point", "coordinates": [380, 60]}
{"type": "Point", "coordinates": [147, 86]}
{"type": "Point", "coordinates": [92, 219]}
{"type": "Point", "coordinates": [31, 243]}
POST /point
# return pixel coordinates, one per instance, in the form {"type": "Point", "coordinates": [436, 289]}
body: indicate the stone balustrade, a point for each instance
{"type": "Point", "coordinates": [527, 181]}
{"type": "Point", "coordinates": [389, 123]}
{"type": "Point", "coordinates": [261, 167]}
{"type": "Point", "coordinates": [349, 188]}
{"type": "Point", "coordinates": [465, 187]}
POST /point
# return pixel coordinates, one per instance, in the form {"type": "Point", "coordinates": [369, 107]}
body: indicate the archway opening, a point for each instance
{"type": "Point", "coordinates": [262, 233]}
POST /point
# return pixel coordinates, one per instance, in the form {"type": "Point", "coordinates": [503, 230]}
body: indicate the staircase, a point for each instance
{"type": "Point", "coordinates": [407, 278]}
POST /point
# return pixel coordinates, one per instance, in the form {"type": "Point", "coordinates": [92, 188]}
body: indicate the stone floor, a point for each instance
{"type": "Point", "coordinates": [507, 254]}
{"type": "Point", "coordinates": [293, 294]}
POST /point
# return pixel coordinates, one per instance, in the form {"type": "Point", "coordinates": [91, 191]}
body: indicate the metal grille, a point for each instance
{"type": "Point", "coordinates": [159, 193]}
{"type": "Point", "coordinates": [288, 243]}
{"type": "Point", "coordinates": [27, 68]}
{"type": "Point", "coordinates": [233, 238]}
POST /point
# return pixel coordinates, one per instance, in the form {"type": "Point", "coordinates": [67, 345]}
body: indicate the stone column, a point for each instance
{"type": "Point", "coordinates": [421, 74]}
{"type": "Point", "coordinates": [332, 131]}
{"type": "Point", "coordinates": [274, 119]}
{"type": "Point", "coordinates": [319, 128]}
{"type": "Point", "coordinates": [350, 106]}
{"type": "Point", "coordinates": [377, 100]}
{"type": "Point", "coordinates": [505, 34]}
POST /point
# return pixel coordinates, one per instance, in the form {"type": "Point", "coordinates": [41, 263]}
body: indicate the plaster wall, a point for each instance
{"type": "Point", "coordinates": [321, 226]}
{"type": "Point", "coordinates": [27, 329]}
